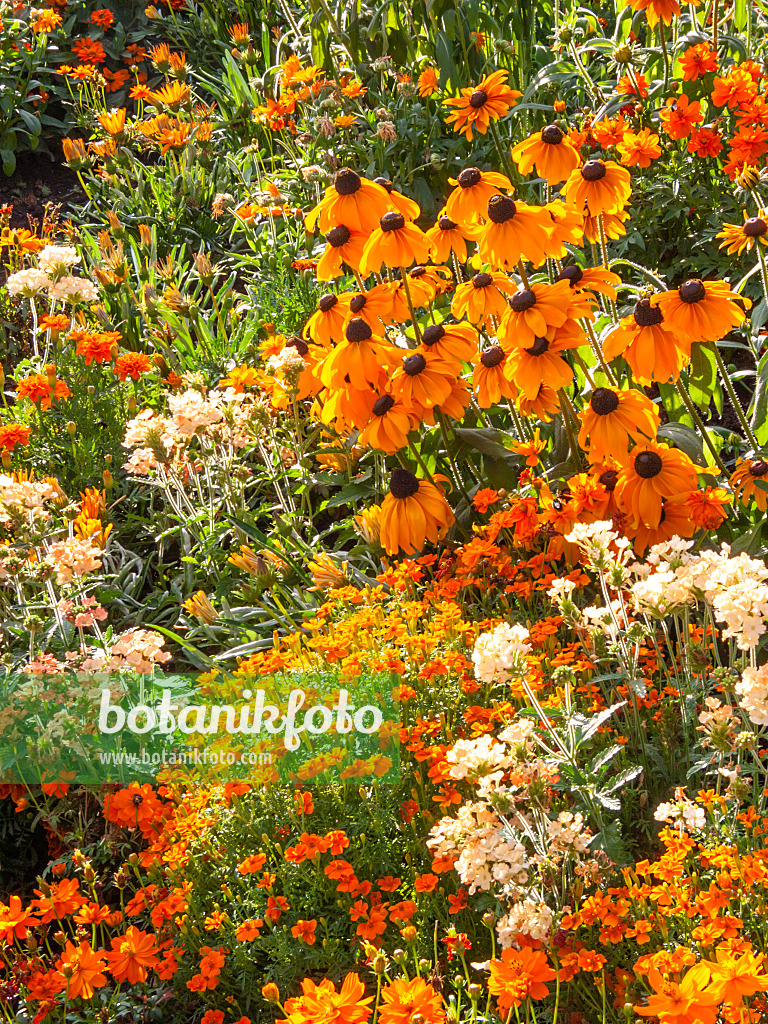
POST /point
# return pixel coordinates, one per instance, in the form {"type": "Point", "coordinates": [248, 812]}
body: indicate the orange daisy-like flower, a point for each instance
{"type": "Point", "coordinates": [612, 418]}
{"type": "Point", "coordinates": [424, 284]}
{"type": "Point", "coordinates": [323, 1002]}
{"type": "Point", "coordinates": [351, 200]}
{"type": "Point", "coordinates": [737, 977]}
{"type": "Point", "coordinates": [482, 298]}
{"type": "Point", "coordinates": [613, 226]}
{"type": "Point", "coordinates": [655, 9]}
{"type": "Point", "coordinates": [740, 237]}
{"type": "Point", "coordinates": [326, 325]}
{"type": "Point", "coordinates": [476, 107]}
{"type": "Point", "coordinates": [590, 279]}
{"type": "Point", "coordinates": [408, 207]}
{"type": "Point", "coordinates": [653, 472]}
{"type": "Point", "coordinates": [702, 310]}
{"type": "Point", "coordinates": [343, 246]}
{"type": "Point", "coordinates": [452, 342]}
{"type": "Point", "coordinates": [533, 312]}
{"type": "Point", "coordinates": [413, 512]}
{"type": "Point", "coordinates": [697, 61]}
{"type": "Point", "coordinates": [396, 242]}
{"type": "Point", "coordinates": [358, 360]}
{"type": "Point", "coordinates": [375, 306]}
{"type": "Point", "coordinates": [521, 974]}
{"type": "Point", "coordinates": [474, 188]}
{"type": "Point", "coordinates": [542, 363]}
{"type": "Point", "coordinates": [132, 364]}
{"type": "Point", "coordinates": [427, 83]}
{"type": "Point", "coordinates": [645, 340]}
{"type": "Point", "coordinates": [305, 931]}
{"type": "Point", "coordinates": [402, 1000]}
{"type": "Point", "coordinates": [514, 231]}
{"type": "Point", "coordinates": [489, 381]}
{"type": "Point", "coordinates": [447, 236]}
{"type": "Point", "coordinates": [132, 956]}
{"type": "Point", "coordinates": [683, 1002]}
{"type": "Point", "coordinates": [390, 424]}
{"type": "Point", "coordinates": [567, 226]}
{"type": "Point", "coordinates": [550, 151]}
{"type": "Point", "coordinates": [598, 187]}
{"type": "Point", "coordinates": [744, 481]}
{"type": "Point", "coordinates": [15, 921]}
{"type": "Point", "coordinates": [542, 406]}
{"type": "Point", "coordinates": [422, 381]}
{"type": "Point", "coordinates": [680, 115]}
{"type": "Point", "coordinates": [82, 970]}
{"type": "Point", "coordinates": [676, 520]}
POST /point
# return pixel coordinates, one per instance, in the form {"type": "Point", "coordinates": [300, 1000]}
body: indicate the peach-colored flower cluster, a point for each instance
{"type": "Point", "coordinates": [73, 557]}
{"type": "Point", "coordinates": [137, 649]}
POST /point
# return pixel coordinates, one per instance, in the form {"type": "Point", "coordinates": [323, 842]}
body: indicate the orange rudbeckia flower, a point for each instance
{"type": "Point", "coordinates": [702, 310]}
{"type": "Point", "coordinates": [533, 312]}
{"type": "Point", "coordinates": [396, 242]}
{"type": "Point", "coordinates": [474, 188]}
{"type": "Point", "coordinates": [743, 481]}
{"type": "Point", "coordinates": [599, 186]}
{"type": "Point", "coordinates": [351, 200]}
{"type": "Point", "coordinates": [542, 363]}
{"type": "Point", "coordinates": [550, 151]}
{"type": "Point", "coordinates": [489, 381]}
{"type": "Point", "coordinates": [390, 423]}
{"type": "Point", "coordinates": [515, 231]}
{"type": "Point", "coordinates": [476, 107]}
{"type": "Point", "coordinates": [358, 360]}
{"type": "Point", "coordinates": [612, 418]}
{"type": "Point", "coordinates": [451, 342]}
{"type": "Point", "coordinates": [653, 472]}
{"type": "Point", "coordinates": [447, 236]}
{"type": "Point", "coordinates": [343, 246]}
{"type": "Point", "coordinates": [422, 381]}
{"type": "Point", "coordinates": [482, 298]}
{"type": "Point", "coordinates": [326, 324]}
{"type": "Point", "coordinates": [413, 512]}
{"type": "Point", "coordinates": [644, 339]}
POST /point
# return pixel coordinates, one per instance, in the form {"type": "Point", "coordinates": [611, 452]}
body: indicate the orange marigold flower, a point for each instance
{"type": "Point", "coordinates": [521, 974]}
{"type": "Point", "coordinates": [305, 931]}
{"type": "Point", "coordinates": [132, 364]}
{"type": "Point", "coordinates": [402, 1000]}
{"type": "Point", "coordinates": [428, 80]}
{"type": "Point", "coordinates": [89, 51]}
{"type": "Point", "coordinates": [680, 115]}
{"type": "Point", "coordinates": [697, 61]}
{"type": "Point", "coordinates": [37, 388]}
{"type": "Point", "coordinates": [13, 434]}
{"type": "Point", "coordinates": [638, 149]}
{"type": "Point", "coordinates": [133, 955]}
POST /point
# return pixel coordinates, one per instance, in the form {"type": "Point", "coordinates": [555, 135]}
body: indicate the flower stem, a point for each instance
{"type": "Point", "coordinates": [700, 424]}
{"type": "Point", "coordinates": [734, 399]}
{"type": "Point", "coordinates": [409, 300]}
{"type": "Point", "coordinates": [522, 273]}
{"type": "Point", "coordinates": [567, 408]}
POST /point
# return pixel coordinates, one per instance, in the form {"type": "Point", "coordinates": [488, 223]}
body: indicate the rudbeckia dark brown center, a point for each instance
{"type": "Point", "coordinates": [604, 401]}
{"type": "Point", "coordinates": [413, 365]}
{"type": "Point", "coordinates": [358, 330]}
{"type": "Point", "coordinates": [538, 348]}
{"type": "Point", "coordinates": [298, 343]}
{"type": "Point", "coordinates": [417, 272]}
{"type": "Point", "coordinates": [468, 177]}
{"type": "Point", "coordinates": [478, 99]}
{"type": "Point", "coordinates": [482, 280]}
{"type": "Point", "coordinates": [327, 302]}
{"type": "Point", "coordinates": [692, 291]}
{"type": "Point", "coordinates": [492, 356]}
{"type": "Point", "coordinates": [572, 274]}
{"type": "Point", "coordinates": [647, 315]}
{"type": "Point", "coordinates": [501, 209]}
{"type": "Point", "coordinates": [357, 303]}
{"type": "Point", "coordinates": [347, 181]}
{"type": "Point", "coordinates": [648, 465]}
{"type": "Point", "coordinates": [338, 236]}
{"type": "Point", "coordinates": [446, 224]}
{"type": "Point", "coordinates": [759, 468]}
{"type": "Point", "coordinates": [385, 183]}
{"type": "Point", "coordinates": [755, 227]}
{"type": "Point", "coordinates": [524, 299]}
{"type": "Point", "coordinates": [432, 334]}
{"type": "Point", "coordinates": [593, 170]}
{"type": "Point", "coordinates": [552, 135]}
{"type": "Point", "coordinates": [403, 483]}
{"type": "Point", "coordinates": [382, 405]}
{"type": "Point", "coordinates": [609, 479]}
{"type": "Point", "coordinates": [392, 221]}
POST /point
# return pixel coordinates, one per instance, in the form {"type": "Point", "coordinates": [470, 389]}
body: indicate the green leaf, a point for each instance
{"type": "Point", "coordinates": [759, 422]}
{"type": "Point", "coordinates": [9, 161]}
{"type": "Point", "coordinates": [686, 439]}
{"type": "Point", "coordinates": [703, 375]}
{"type": "Point", "coordinates": [485, 440]}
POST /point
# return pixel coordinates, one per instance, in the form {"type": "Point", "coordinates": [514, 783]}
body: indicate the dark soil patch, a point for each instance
{"type": "Point", "coordinates": [36, 182]}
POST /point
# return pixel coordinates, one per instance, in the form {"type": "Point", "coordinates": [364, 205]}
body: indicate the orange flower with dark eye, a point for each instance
{"type": "Point", "coordinates": [402, 204]}
{"type": "Point", "coordinates": [449, 237]}
{"type": "Point", "coordinates": [702, 310]}
{"type": "Point", "coordinates": [648, 344]}
{"type": "Point", "coordinates": [740, 237]}
{"type": "Point", "coordinates": [514, 231]}
{"type": "Point", "coordinates": [542, 362]}
{"type": "Point", "coordinates": [676, 520]}
{"type": "Point", "coordinates": [750, 481]}
{"type": "Point", "coordinates": [413, 512]}
{"type": "Point", "coordinates": [567, 226]}
{"type": "Point", "coordinates": [474, 188]}
{"type": "Point", "coordinates": [351, 200]}
{"type": "Point", "coordinates": [326, 324]}
{"type": "Point", "coordinates": [612, 418]}
{"type": "Point", "coordinates": [482, 298]}
{"type": "Point", "coordinates": [455, 343]}
{"type": "Point", "coordinates": [543, 405]}
{"type": "Point", "coordinates": [652, 473]}
{"type": "Point", "coordinates": [424, 285]}
{"type": "Point", "coordinates": [422, 381]}
{"type": "Point", "coordinates": [613, 226]}
{"type": "Point", "coordinates": [489, 381]}
{"type": "Point", "coordinates": [375, 306]}
{"type": "Point", "coordinates": [343, 246]}
{"type": "Point", "coordinates": [390, 424]}
{"type": "Point", "coordinates": [476, 107]}
{"type": "Point", "coordinates": [396, 242]}
{"type": "Point", "coordinates": [590, 280]}
{"type": "Point", "coordinates": [532, 312]}
{"type": "Point", "coordinates": [359, 359]}
{"type": "Point", "coordinates": [599, 186]}
{"type": "Point", "coordinates": [550, 151]}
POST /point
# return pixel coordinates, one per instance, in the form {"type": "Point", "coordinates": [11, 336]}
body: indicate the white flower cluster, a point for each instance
{"type": "Point", "coordinates": [500, 655]}
{"type": "Point", "coordinates": [525, 918]}
{"type": "Point", "coordinates": [684, 814]}
{"type": "Point", "coordinates": [28, 282]}
{"type": "Point", "coordinates": [486, 854]}
{"type": "Point", "coordinates": [753, 691]}
{"type": "Point", "coordinates": [57, 259]}
{"type": "Point", "coordinates": [475, 758]}
{"type": "Point", "coordinates": [568, 832]}
{"type": "Point", "coordinates": [51, 274]}
{"type": "Point", "coordinates": [595, 540]}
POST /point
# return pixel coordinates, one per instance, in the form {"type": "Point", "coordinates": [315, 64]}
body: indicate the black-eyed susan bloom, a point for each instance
{"type": "Point", "coordinates": [543, 405]}
{"type": "Point", "coordinates": [514, 231]}
{"type": "Point", "coordinates": [476, 107]}
{"type": "Point", "coordinates": [422, 381]}
{"type": "Point", "coordinates": [474, 188]}
{"type": "Point", "coordinates": [652, 473]}
{"type": "Point", "coordinates": [612, 418]}
{"type": "Point", "coordinates": [359, 359]}
{"type": "Point", "coordinates": [550, 151]}
{"type": "Point", "coordinates": [424, 284]}
{"type": "Point", "coordinates": [590, 279]}
{"type": "Point", "coordinates": [567, 226]}
{"type": "Point", "coordinates": [542, 362]}
{"type": "Point", "coordinates": [455, 405]}
{"type": "Point", "coordinates": [740, 237]}
{"type": "Point", "coordinates": [343, 246]}
{"type": "Point", "coordinates": [350, 408]}
{"type": "Point", "coordinates": [413, 513]}
{"type": "Point", "coordinates": [390, 423]}
{"type": "Point", "coordinates": [482, 298]}
{"type": "Point", "coordinates": [374, 306]}
{"type": "Point", "coordinates": [395, 242]}
{"type": "Point", "coordinates": [351, 200]}
{"type": "Point", "coordinates": [613, 226]}
{"type": "Point", "coordinates": [599, 186]}
{"type": "Point", "coordinates": [455, 343]}
{"type": "Point", "coordinates": [489, 381]}
{"type": "Point", "coordinates": [653, 351]}
{"type": "Point", "coordinates": [402, 204]}
{"type": "Point", "coordinates": [326, 324]}
{"type": "Point", "coordinates": [532, 312]}
{"type": "Point", "coordinates": [675, 521]}
{"type": "Point", "coordinates": [750, 482]}
{"type": "Point", "coordinates": [449, 237]}
{"type": "Point", "coordinates": [702, 310]}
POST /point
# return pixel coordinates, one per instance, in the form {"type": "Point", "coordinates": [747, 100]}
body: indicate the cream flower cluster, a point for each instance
{"type": "Point", "coordinates": [525, 917]}
{"type": "Point", "coordinates": [753, 692]}
{"type": "Point", "coordinates": [499, 656]}
{"type": "Point", "coordinates": [73, 557]}
{"type": "Point", "coordinates": [475, 758]}
{"type": "Point", "coordinates": [485, 854]}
